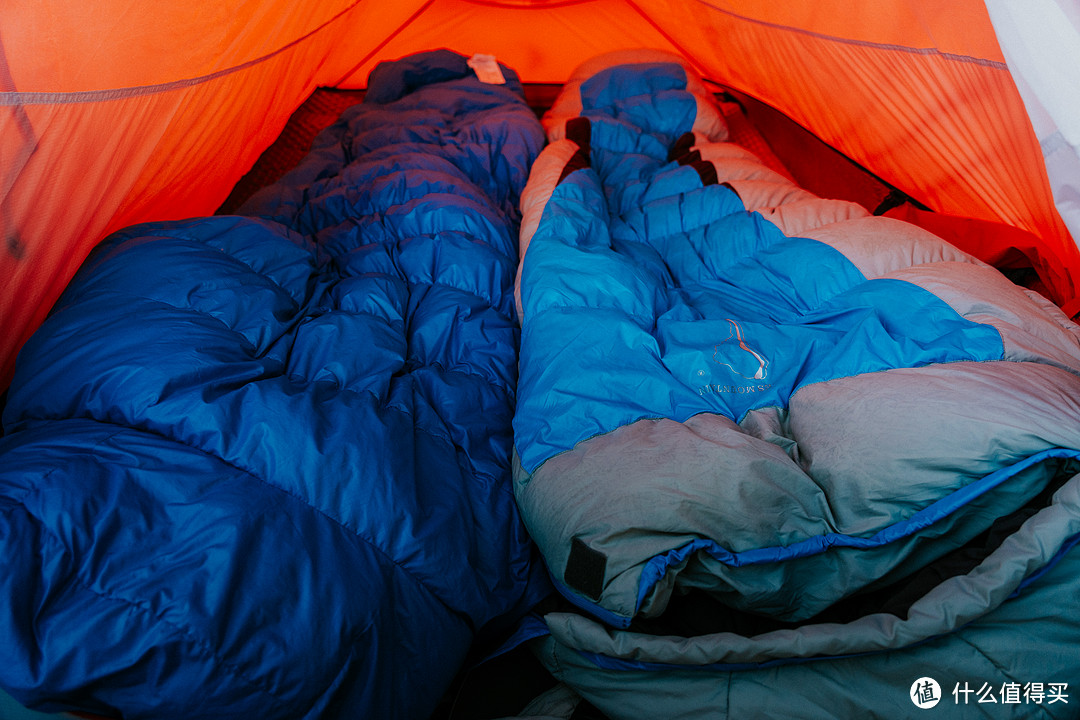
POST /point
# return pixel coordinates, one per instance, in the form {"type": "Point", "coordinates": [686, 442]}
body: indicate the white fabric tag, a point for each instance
{"type": "Point", "coordinates": [487, 69]}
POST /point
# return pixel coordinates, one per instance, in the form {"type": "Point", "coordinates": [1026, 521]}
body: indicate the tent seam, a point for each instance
{"type": "Point", "coordinates": [655, 26]}
{"type": "Point", "coordinates": [18, 98]}
{"type": "Point", "coordinates": [859, 43]}
{"type": "Point", "coordinates": [384, 43]}
{"type": "Point", "coordinates": [534, 5]}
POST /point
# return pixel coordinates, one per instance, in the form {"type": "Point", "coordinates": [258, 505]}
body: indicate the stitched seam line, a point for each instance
{"type": "Point", "coordinates": [92, 96]}
{"type": "Point", "coordinates": [859, 43]}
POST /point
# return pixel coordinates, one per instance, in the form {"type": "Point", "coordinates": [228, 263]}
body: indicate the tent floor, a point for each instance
{"type": "Point", "coordinates": [318, 111]}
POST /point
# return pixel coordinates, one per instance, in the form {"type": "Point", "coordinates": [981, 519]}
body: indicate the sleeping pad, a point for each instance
{"type": "Point", "coordinates": [783, 458]}
{"type": "Point", "coordinates": [259, 466]}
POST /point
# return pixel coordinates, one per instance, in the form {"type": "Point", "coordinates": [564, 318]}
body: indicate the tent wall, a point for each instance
{"type": "Point", "coordinates": [129, 111]}
{"type": "Point", "coordinates": [544, 41]}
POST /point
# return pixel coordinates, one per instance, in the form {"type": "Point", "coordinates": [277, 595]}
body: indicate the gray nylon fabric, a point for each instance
{"type": "Point", "coordinates": [969, 633]}
{"type": "Point", "coordinates": [953, 603]}
{"type": "Point", "coordinates": [852, 456]}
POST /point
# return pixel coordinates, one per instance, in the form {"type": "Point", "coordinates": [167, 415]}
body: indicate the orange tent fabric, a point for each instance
{"type": "Point", "coordinates": [124, 111]}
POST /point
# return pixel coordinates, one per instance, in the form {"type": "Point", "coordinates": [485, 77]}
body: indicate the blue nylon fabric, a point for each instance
{"type": "Point", "coordinates": [260, 466]}
{"type": "Point", "coordinates": [650, 98]}
{"type": "Point", "coordinates": [611, 88]}
{"type": "Point", "coordinates": [647, 295]}
{"type": "Point", "coordinates": [394, 79]}
{"type": "Point", "coordinates": [721, 319]}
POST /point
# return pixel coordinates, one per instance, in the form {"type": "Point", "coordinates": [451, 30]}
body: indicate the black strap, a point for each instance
{"type": "Point", "coordinates": [585, 568]}
{"type": "Point", "coordinates": [578, 161]}
{"type": "Point", "coordinates": [706, 171]}
{"type": "Point", "coordinates": [579, 130]}
{"type": "Point", "coordinates": [682, 146]}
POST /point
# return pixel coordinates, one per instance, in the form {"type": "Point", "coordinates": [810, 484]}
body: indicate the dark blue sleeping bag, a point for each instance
{"type": "Point", "coordinates": [258, 467]}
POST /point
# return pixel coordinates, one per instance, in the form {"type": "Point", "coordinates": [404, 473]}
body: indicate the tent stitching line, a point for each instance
{"type": "Point", "coordinates": [17, 98]}
{"type": "Point", "coordinates": [689, 58]}
{"type": "Point", "coordinates": [423, 9]}
{"type": "Point", "coordinates": [511, 5]}
{"type": "Point", "coordinates": [860, 43]}
{"type": "Point", "coordinates": [59, 98]}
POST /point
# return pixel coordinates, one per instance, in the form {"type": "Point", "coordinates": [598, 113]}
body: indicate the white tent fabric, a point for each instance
{"type": "Point", "coordinates": [1041, 43]}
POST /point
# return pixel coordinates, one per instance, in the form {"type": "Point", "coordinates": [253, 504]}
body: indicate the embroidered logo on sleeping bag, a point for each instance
{"type": "Point", "coordinates": [735, 354]}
